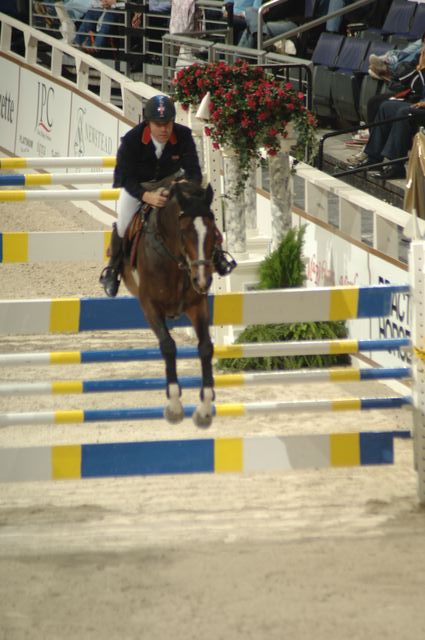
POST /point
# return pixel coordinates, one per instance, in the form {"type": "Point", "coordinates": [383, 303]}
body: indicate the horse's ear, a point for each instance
{"type": "Point", "coordinates": [209, 194]}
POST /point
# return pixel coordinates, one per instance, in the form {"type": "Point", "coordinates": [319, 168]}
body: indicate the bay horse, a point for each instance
{"type": "Point", "coordinates": [171, 275]}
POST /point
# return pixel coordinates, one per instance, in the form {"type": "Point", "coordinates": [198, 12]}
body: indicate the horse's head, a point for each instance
{"type": "Point", "coordinates": [197, 231]}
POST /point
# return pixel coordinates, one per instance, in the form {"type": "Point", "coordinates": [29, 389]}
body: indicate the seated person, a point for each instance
{"type": "Point", "coordinates": [277, 20]}
{"type": "Point", "coordinates": [385, 67]}
{"type": "Point", "coordinates": [391, 140]}
{"type": "Point", "coordinates": [280, 19]}
{"type": "Point", "coordinates": [239, 8]}
{"type": "Point", "coordinates": [51, 10]}
{"type": "Point", "coordinates": [98, 23]}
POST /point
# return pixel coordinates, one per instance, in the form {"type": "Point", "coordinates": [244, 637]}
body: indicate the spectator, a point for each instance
{"type": "Point", "coordinates": [158, 25]}
{"type": "Point", "coordinates": [98, 23]}
{"type": "Point", "coordinates": [73, 10]}
{"type": "Point", "coordinates": [277, 20]}
{"type": "Point", "coordinates": [333, 25]}
{"type": "Point", "coordinates": [280, 19]}
{"type": "Point", "coordinates": [391, 140]}
{"type": "Point", "coordinates": [238, 8]}
{"type": "Point", "coordinates": [386, 68]}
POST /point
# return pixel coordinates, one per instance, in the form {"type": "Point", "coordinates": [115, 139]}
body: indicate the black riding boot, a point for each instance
{"type": "Point", "coordinates": [224, 263]}
{"type": "Point", "coordinates": [110, 276]}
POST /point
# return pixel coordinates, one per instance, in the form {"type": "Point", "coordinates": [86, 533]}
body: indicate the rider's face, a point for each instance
{"type": "Point", "coordinates": [161, 131]}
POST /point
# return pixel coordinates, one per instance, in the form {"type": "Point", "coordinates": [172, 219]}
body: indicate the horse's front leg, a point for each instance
{"type": "Point", "coordinates": [173, 410]}
{"type": "Point", "coordinates": [203, 413]}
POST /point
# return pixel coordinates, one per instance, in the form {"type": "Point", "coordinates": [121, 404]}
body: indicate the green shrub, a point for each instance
{"type": "Point", "coordinates": [284, 268]}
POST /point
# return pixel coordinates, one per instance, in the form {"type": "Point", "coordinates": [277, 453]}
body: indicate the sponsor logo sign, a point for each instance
{"type": "Point", "coordinates": [9, 87]}
{"type": "Point", "coordinates": [92, 132]}
{"type": "Point", "coordinates": [43, 122]}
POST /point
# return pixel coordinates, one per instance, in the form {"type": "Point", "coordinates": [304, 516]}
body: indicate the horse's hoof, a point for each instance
{"type": "Point", "coordinates": [173, 416]}
{"type": "Point", "coordinates": [202, 421]}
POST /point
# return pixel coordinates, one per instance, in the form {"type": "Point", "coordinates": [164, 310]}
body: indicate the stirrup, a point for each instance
{"type": "Point", "coordinates": [110, 280]}
{"type": "Point", "coordinates": [224, 262]}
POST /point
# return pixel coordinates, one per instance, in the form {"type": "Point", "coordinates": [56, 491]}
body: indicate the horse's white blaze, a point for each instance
{"type": "Point", "coordinates": [201, 230]}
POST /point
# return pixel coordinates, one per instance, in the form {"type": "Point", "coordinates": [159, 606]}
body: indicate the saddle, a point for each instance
{"type": "Point", "coordinates": [133, 233]}
{"type": "Point", "coordinates": [136, 226]}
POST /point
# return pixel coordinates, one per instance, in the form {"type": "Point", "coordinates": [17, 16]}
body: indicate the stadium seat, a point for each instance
{"type": "Point", "coordinates": [347, 77]}
{"type": "Point", "coordinates": [370, 86]}
{"type": "Point", "coordinates": [417, 27]}
{"type": "Point", "coordinates": [324, 58]}
{"type": "Point", "coordinates": [398, 21]}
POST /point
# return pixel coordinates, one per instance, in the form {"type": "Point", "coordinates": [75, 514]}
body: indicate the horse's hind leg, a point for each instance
{"type": "Point", "coordinates": [203, 413]}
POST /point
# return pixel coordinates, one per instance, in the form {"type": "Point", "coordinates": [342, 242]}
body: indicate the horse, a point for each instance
{"type": "Point", "coordinates": [171, 275]}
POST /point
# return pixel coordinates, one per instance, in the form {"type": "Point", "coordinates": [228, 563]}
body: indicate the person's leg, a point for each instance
{"type": "Point", "coordinates": [334, 24]}
{"type": "Point", "coordinates": [87, 26]}
{"type": "Point", "coordinates": [278, 27]}
{"type": "Point", "coordinates": [408, 54]}
{"type": "Point", "coordinates": [110, 276]}
{"type": "Point", "coordinates": [373, 105]}
{"type": "Point", "coordinates": [379, 135]}
{"type": "Point", "coordinates": [400, 138]}
{"type": "Point", "coordinates": [104, 30]}
{"type": "Point", "coordinates": [239, 26]}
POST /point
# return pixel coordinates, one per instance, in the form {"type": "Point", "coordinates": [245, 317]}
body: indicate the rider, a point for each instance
{"type": "Point", "coordinates": [155, 149]}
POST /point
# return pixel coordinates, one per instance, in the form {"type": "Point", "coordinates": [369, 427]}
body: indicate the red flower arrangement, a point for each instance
{"type": "Point", "coordinates": [249, 110]}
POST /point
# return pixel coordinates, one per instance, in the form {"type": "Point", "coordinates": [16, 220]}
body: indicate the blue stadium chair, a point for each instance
{"type": "Point", "coordinates": [417, 27]}
{"type": "Point", "coordinates": [347, 77]}
{"type": "Point", "coordinates": [324, 58]}
{"type": "Point", "coordinates": [370, 86]}
{"type": "Point", "coordinates": [399, 18]}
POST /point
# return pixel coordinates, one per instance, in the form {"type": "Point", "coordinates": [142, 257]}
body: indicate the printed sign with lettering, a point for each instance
{"type": "Point", "coordinates": [43, 121]}
{"type": "Point", "coordinates": [9, 87]}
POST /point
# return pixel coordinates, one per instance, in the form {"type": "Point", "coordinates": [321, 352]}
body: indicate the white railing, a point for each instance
{"type": "Point", "coordinates": [112, 88]}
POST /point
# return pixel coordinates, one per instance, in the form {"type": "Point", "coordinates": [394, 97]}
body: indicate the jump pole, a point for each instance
{"type": "Point", "coordinates": [51, 162]}
{"type": "Point", "coordinates": [195, 382]}
{"type": "Point", "coordinates": [53, 246]}
{"type": "Point", "coordinates": [254, 350]}
{"type": "Point", "coordinates": [67, 194]}
{"type": "Point", "coordinates": [233, 410]}
{"type": "Point", "coordinates": [417, 276]}
{"type": "Point", "coordinates": [206, 455]}
{"type": "Point", "coordinates": [34, 179]}
{"type": "Point", "coordinates": [72, 315]}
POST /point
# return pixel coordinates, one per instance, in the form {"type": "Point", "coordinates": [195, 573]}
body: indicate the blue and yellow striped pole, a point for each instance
{"type": "Point", "coordinates": [51, 162]}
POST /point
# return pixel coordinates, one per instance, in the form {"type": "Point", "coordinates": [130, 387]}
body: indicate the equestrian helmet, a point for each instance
{"type": "Point", "coordinates": [160, 109]}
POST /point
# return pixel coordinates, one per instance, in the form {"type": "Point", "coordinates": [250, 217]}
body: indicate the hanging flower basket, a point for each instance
{"type": "Point", "coordinates": [250, 111]}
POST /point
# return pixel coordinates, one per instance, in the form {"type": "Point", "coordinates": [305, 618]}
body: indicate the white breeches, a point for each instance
{"type": "Point", "coordinates": [126, 208]}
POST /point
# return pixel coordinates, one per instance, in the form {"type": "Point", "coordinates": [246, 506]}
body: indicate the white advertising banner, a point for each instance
{"type": "Point", "coordinates": [93, 132]}
{"type": "Point", "coordinates": [398, 324]}
{"type": "Point", "coordinates": [122, 130]}
{"type": "Point", "coordinates": [43, 119]}
{"type": "Point", "coordinates": [332, 261]}
{"type": "Point", "coordinates": [9, 101]}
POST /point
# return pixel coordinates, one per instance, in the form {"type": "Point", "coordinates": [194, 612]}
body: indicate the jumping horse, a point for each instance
{"type": "Point", "coordinates": [170, 275]}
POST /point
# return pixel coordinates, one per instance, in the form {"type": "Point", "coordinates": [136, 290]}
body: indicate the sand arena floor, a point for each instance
{"type": "Point", "coordinates": [335, 553]}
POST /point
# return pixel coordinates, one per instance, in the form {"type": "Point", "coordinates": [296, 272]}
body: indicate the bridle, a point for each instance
{"type": "Point", "coordinates": [188, 263]}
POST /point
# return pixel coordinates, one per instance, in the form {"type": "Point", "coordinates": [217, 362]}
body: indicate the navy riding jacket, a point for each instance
{"type": "Point", "coordinates": [137, 162]}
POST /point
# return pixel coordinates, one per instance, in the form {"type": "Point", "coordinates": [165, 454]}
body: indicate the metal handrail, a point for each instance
{"type": "Point", "coordinates": [367, 125]}
{"type": "Point", "coordinates": [301, 28]}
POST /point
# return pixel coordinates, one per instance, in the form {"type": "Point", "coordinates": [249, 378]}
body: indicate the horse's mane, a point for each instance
{"type": "Point", "coordinates": [191, 192]}
{"type": "Point", "coordinates": [187, 189]}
